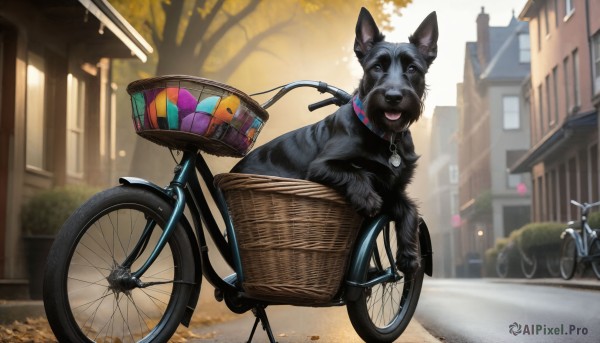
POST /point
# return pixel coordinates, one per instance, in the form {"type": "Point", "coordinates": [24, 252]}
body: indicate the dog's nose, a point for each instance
{"type": "Point", "coordinates": [393, 96]}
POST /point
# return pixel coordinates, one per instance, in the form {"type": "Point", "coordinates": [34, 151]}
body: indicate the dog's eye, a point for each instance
{"type": "Point", "coordinates": [378, 67]}
{"type": "Point", "coordinates": [411, 69]}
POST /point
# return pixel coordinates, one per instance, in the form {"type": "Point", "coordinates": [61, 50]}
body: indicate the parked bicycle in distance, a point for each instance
{"type": "Point", "coordinates": [580, 244]}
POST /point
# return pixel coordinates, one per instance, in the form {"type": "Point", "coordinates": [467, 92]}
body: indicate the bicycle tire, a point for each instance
{"type": "Point", "coordinates": [82, 305]}
{"type": "Point", "coordinates": [553, 264]}
{"type": "Point", "coordinates": [502, 264]}
{"type": "Point", "coordinates": [595, 251]}
{"type": "Point", "coordinates": [404, 293]}
{"type": "Point", "coordinates": [568, 257]}
{"type": "Point", "coordinates": [529, 268]}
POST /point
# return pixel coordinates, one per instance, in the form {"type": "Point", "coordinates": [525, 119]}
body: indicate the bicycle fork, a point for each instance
{"type": "Point", "coordinates": [176, 189]}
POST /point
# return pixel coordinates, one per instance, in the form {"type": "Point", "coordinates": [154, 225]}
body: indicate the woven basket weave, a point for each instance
{"type": "Point", "coordinates": [294, 236]}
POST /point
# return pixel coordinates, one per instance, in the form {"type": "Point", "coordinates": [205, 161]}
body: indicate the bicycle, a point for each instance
{"type": "Point", "coordinates": [580, 246]}
{"type": "Point", "coordinates": [128, 264]}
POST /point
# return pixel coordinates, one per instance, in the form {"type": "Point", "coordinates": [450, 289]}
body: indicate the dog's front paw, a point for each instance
{"type": "Point", "coordinates": [367, 206]}
{"type": "Point", "coordinates": [408, 263]}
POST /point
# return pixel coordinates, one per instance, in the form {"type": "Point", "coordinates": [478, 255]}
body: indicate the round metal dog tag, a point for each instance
{"type": "Point", "coordinates": [395, 160]}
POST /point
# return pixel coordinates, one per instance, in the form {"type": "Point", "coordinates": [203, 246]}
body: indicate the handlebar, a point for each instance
{"type": "Point", "coordinates": [585, 207]}
{"type": "Point", "coordinates": [339, 98]}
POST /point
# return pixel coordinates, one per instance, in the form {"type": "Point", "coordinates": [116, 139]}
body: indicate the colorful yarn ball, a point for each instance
{"type": "Point", "coordinates": [196, 122]}
{"type": "Point", "coordinates": [227, 108]}
{"type": "Point", "coordinates": [163, 112]}
{"type": "Point", "coordinates": [208, 105]}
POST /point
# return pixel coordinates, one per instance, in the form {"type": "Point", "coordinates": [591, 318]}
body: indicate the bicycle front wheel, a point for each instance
{"type": "Point", "coordinates": [86, 294]}
{"type": "Point", "coordinates": [502, 264]}
{"type": "Point", "coordinates": [568, 257]}
{"type": "Point", "coordinates": [382, 312]}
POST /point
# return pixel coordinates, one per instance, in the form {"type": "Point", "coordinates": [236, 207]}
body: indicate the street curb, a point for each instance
{"type": "Point", "coordinates": [11, 310]}
{"type": "Point", "coordinates": [586, 284]}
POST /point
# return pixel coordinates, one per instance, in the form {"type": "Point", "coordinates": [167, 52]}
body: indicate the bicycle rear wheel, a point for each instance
{"type": "Point", "coordinates": [382, 312]}
{"type": "Point", "coordinates": [86, 295]}
{"type": "Point", "coordinates": [568, 257]}
{"type": "Point", "coordinates": [529, 265]}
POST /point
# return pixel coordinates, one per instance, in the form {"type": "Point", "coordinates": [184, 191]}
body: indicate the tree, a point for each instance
{"type": "Point", "coordinates": [249, 43]}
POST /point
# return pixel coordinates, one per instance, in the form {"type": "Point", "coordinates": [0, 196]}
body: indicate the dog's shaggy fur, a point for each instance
{"type": "Point", "coordinates": [342, 152]}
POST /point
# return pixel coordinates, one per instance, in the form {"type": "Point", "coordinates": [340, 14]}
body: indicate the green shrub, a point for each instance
{"type": "Point", "coordinates": [489, 262]}
{"type": "Point", "coordinates": [535, 235]}
{"type": "Point", "coordinates": [594, 220]}
{"type": "Point", "coordinates": [491, 255]}
{"type": "Point", "coordinates": [45, 212]}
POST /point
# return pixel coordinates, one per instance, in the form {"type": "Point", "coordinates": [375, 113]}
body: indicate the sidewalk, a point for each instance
{"type": "Point", "coordinates": [12, 310]}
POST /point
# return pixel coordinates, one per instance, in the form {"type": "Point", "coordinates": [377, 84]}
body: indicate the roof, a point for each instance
{"type": "Point", "coordinates": [113, 21]}
{"type": "Point", "coordinates": [94, 26]}
{"type": "Point", "coordinates": [529, 9]}
{"type": "Point", "coordinates": [572, 129]}
{"type": "Point", "coordinates": [504, 62]}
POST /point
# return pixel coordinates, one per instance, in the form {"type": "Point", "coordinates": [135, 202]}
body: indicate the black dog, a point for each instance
{"type": "Point", "coordinates": [365, 150]}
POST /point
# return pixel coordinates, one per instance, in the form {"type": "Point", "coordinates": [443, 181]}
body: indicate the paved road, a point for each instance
{"type": "Point", "coordinates": [301, 324]}
{"type": "Point", "coordinates": [479, 311]}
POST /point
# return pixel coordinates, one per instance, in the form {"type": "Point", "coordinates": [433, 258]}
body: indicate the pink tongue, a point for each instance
{"type": "Point", "coordinates": [393, 116]}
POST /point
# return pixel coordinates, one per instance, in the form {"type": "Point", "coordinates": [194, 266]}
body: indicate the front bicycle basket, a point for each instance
{"type": "Point", "coordinates": [294, 236]}
{"type": "Point", "coordinates": [191, 113]}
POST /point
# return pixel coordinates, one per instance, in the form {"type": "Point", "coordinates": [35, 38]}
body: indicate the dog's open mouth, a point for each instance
{"type": "Point", "coordinates": [393, 116]}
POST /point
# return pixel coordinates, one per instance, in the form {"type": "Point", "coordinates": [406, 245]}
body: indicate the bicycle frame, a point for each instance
{"type": "Point", "coordinates": [185, 190]}
{"type": "Point", "coordinates": [587, 237]}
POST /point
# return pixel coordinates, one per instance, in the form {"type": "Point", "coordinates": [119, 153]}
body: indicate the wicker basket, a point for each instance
{"type": "Point", "coordinates": [294, 236]}
{"type": "Point", "coordinates": [191, 113]}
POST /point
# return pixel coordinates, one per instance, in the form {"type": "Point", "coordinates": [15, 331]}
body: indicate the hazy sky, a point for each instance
{"type": "Point", "coordinates": [456, 21]}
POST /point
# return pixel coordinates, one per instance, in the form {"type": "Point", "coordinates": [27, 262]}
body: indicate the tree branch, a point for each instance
{"type": "Point", "coordinates": [198, 25]}
{"type": "Point", "coordinates": [227, 70]}
{"type": "Point", "coordinates": [210, 43]}
{"type": "Point", "coordinates": [172, 18]}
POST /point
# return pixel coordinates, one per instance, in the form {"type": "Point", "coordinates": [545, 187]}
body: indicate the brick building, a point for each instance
{"type": "Point", "coordinates": [493, 131]}
{"type": "Point", "coordinates": [564, 97]}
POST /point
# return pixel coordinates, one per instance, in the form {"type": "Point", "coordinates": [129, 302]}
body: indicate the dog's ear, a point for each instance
{"type": "Point", "coordinates": [426, 36]}
{"type": "Point", "coordinates": [367, 33]}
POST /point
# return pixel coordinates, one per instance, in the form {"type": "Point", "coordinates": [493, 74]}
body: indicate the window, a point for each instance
{"type": "Point", "coordinates": [541, 110]}
{"type": "Point", "coordinates": [514, 180]}
{"type": "Point", "coordinates": [546, 19]}
{"type": "Point", "coordinates": [550, 118]}
{"type": "Point", "coordinates": [510, 106]}
{"type": "Point", "coordinates": [569, 8]}
{"type": "Point", "coordinates": [539, 33]}
{"type": "Point", "coordinates": [555, 91]}
{"type": "Point", "coordinates": [596, 62]}
{"type": "Point", "coordinates": [556, 13]}
{"type": "Point", "coordinates": [566, 85]}
{"type": "Point", "coordinates": [453, 173]}
{"type": "Point", "coordinates": [524, 48]}
{"type": "Point", "coordinates": [75, 125]}
{"type": "Point", "coordinates": [35, 156]}
{"type": "Point", "coordinates": [576, 95]}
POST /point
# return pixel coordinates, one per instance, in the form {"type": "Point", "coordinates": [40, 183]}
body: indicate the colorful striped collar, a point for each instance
{"type": "Point", "coordinates": [360, 113]}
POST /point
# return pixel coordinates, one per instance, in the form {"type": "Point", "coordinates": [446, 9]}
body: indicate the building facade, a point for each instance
{"type": "Point", "coordinates": [493, 134]}
{"type": "Point", "coordinates": [564, 97]}
{"type": "Point", "coordinates": [443, 189]}
{"type": "Point", "coordinates": [56, 122]}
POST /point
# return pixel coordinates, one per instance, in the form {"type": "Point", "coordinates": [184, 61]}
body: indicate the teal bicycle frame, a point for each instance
{"type": "Point", "coordinates": [185, 189]}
